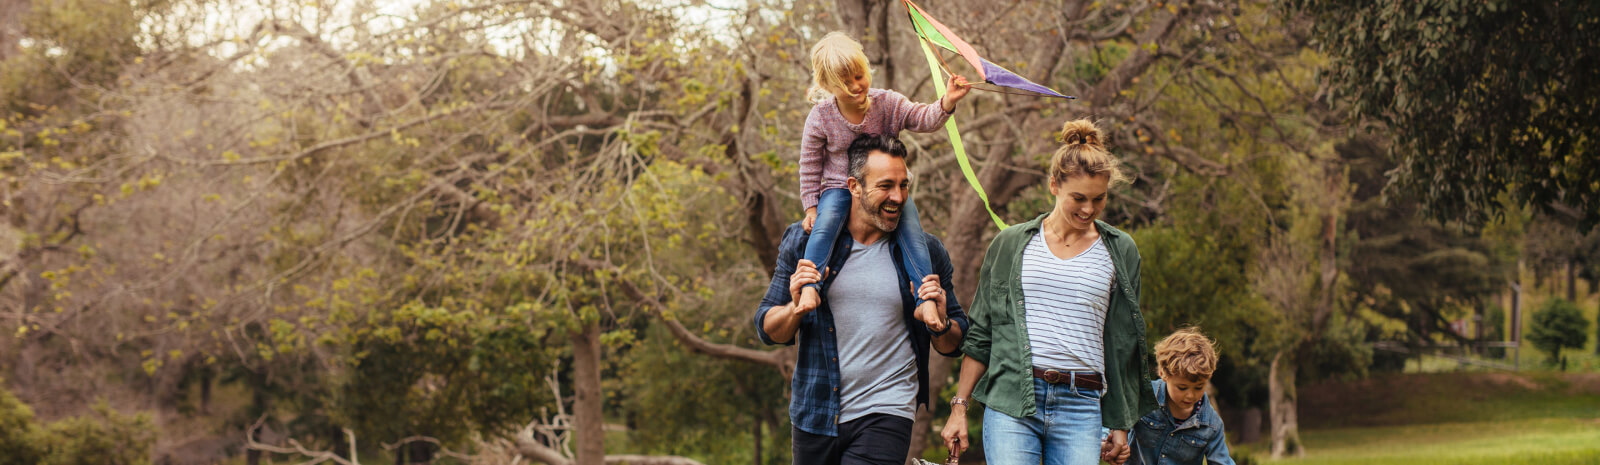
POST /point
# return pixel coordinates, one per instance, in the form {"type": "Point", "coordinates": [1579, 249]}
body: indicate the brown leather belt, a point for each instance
{"type": "Point", "coordinates": [1085, 380]}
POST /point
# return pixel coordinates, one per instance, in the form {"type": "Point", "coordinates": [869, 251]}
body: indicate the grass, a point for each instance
{"type": "Point", "coordinates": [1449, 418]}
{"type": "Point", "coordinates": [1394, 400]}
{"type": "Point", "coordinates": [1554, 441]}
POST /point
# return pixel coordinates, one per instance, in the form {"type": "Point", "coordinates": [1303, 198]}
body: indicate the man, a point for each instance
{"type": "Point", "coordinates": [863, 367]}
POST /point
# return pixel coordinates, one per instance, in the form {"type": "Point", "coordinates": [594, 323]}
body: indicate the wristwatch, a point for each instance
{"type": "Point", "coordinates": [946, 324]}
{"type": "Point", "coordinates": [958, 400]}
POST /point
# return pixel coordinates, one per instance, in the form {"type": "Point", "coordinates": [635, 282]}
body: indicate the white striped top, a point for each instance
{"type": "Point", "coordinates": [1064, 306]}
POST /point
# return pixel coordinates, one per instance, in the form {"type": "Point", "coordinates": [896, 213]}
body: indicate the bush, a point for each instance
{"type": "Point", "coordinates": [1556, 326]}
{"type": "Point", "coordinates": [103, 438]}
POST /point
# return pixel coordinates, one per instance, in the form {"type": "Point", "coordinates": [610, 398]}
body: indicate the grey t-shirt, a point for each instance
{"type": "Point", "coordinates": [877, 367]}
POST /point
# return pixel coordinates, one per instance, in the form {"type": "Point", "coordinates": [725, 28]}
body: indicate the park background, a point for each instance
{"type": "Point", "coordinates": [535, 231]}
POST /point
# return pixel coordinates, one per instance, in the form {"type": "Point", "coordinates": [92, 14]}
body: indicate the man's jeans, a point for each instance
{"type": "Point", "coordinates": [1064, 430]}
{"type": "Point", "coordinates": [875, 439]}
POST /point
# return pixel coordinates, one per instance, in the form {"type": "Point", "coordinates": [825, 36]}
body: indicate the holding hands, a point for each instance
{"type": "Point", "coordinates": [1114, 449]}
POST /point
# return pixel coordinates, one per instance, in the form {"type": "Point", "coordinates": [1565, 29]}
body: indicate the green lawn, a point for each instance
{"type": "Point", "coordinates": [1449, 418]}
{"type": "Point", "coordinates": [1538, 441]}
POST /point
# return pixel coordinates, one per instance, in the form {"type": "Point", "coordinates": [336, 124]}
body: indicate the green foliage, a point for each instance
{"type": "Point", "coordinates": [1558, 325]}
{"type": "Point", "coordinates": [1409, 268]}
{"type": "Point", "coordinates": [104, 438]}
{"type": "Point", "coordinates": [19, 435]}
{"type": "Point", "coordinates": [682, 403]}
{"type": "Point", "coordinates": [1482, 97]}
{"type": "Point", "coordinates": [445, 372]}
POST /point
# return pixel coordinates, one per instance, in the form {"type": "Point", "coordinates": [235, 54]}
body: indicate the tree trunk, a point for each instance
{"type": "Point", "coordinates": [1572, 281]}
{"type": "Point", "coordinates": [588, 417]}
{"type": "Point", "coordinates": [1252, 426]}
{"type": "Point", "coordinates": [11, 12]}
{"type": "Point", "coordinates": [852, 16]}
{"type": "Point", "coordinates": [206, 381]}
{"type": "Point", "coordinates": [938, 371]}
{"type": "Point", "coordinates": [878, 45]}
{"type": "Point", "coordinates": [260, 405]}
{"type": "Point", "coordinates": [1282, 397]}
{"type": "Point", "coordinates": [1479, 321]}
{"type": "Point", "coordinates": [1515, 328]}
{"type": "Point", "coordinates": [758, 441]}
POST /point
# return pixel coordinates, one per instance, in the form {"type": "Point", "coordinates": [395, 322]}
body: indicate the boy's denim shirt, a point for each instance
{"type": "Point", "coordinates": [1197, 440]}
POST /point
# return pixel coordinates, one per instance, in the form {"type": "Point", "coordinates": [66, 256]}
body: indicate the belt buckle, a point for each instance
{"type": "Point", "coordinates": [1053, 377]}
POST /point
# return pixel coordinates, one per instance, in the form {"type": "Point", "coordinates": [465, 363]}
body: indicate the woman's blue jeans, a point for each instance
{"type": "Point", "coordinates": [1064, 429]}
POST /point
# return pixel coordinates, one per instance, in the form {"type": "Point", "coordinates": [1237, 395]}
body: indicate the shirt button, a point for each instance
{"type": "Point", "coordinates": [830, 330]}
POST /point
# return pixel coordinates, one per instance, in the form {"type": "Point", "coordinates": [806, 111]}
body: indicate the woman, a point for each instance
{"type": "Point", "coordinates": [1056, 349]}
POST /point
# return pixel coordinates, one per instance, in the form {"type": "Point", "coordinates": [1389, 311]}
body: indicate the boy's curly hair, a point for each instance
{"type": "Point", "coordinates": [1186, 354]}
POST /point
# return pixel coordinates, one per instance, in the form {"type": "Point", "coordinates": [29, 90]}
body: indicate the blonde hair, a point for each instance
{"type": "Point", "coordinates": [1186, 354]}
{"type": "Point", "coordinates": [833, 59]}
{"type": "Point", "coordinates": [1084, 155]}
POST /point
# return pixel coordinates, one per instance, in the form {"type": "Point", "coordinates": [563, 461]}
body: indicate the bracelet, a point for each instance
{"type": "Point", "coordinates": [958, 400]}
{"type": "Point", "coordinates": [945, 330]}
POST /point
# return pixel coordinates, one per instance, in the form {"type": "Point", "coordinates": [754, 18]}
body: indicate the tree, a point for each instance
{"type": "Point", "coordinates": [104, 437]}
{"type": "Point", "coordinates": [1482, 97]}
{"type": "Point", "coordinates": [1412, 269]}
{"type": "Point", "coordinates": [1556, 326]}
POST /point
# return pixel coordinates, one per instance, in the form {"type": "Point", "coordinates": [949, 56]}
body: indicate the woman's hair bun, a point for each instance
{"type": "Point", "coordinates": [1081, 131]}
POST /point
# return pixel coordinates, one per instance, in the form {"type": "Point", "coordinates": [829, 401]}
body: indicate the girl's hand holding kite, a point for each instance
{"type": "Point", "coordinates": [958, 87]}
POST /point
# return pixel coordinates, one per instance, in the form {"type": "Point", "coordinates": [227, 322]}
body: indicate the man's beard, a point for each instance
{"type": "Point", "coordinates": [875, 216]}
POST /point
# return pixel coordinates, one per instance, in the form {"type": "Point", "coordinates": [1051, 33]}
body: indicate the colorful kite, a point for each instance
{"type": "Point", "coordinates": [931, 31]}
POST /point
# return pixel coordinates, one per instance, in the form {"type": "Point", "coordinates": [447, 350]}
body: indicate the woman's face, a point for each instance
{"type": "Point", "coordinates": [1080, 199]}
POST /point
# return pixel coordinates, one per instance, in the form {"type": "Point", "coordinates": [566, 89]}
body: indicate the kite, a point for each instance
{"type": "Point", "coordinates": [932, 32]}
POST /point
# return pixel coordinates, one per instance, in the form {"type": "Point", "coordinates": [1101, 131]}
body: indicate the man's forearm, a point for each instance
{"type": "Point", "coordinates": [950, 341]}
{"type": "Point", "coordinates": [781, 323]}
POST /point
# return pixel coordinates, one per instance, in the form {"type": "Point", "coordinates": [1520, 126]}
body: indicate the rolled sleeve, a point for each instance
{"type": "Point", "coordinates": [978, 340]}
{"type": "Point", "coordinates": [940, 260]}
{"type": "Point", "coordinates": [778, 289]}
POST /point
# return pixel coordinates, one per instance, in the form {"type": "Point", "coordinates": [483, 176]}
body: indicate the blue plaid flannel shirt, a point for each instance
{"type": "Point", "coordinates": [814, 395]}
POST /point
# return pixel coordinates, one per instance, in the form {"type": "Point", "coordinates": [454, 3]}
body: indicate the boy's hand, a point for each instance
{"type": "Point", "coordinates": [811, 217]}
{"type": "Point", "coordinates": [1114, 449]}
{"type": "Point", "coordinates": [957, 89]}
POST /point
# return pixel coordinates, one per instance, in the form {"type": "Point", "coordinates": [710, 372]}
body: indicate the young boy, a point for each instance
{"type": "Point", "coordinates": [1186, 429]}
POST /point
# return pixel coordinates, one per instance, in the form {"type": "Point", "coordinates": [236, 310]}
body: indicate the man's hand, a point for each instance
{"type": "Point", "coordinates": [804, 273]}
{"type": "Point", "coordinates": [932, 312]}
{"type": "Point", "coordinates": [811, 217]}
{"type": "Point", "coordinates": [955, 430]}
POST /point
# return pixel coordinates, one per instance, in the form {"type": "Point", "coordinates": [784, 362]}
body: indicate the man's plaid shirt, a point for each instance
{"type": "Point", "coordinates": [814, 398]}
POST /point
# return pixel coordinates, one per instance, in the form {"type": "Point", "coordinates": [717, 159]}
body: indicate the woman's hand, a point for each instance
{"type": "Point", "coordinates": [955, 430]}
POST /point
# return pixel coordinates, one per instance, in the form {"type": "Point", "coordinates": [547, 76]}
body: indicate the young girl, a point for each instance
{"type": "Point", "coordinates": [847, 106]}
